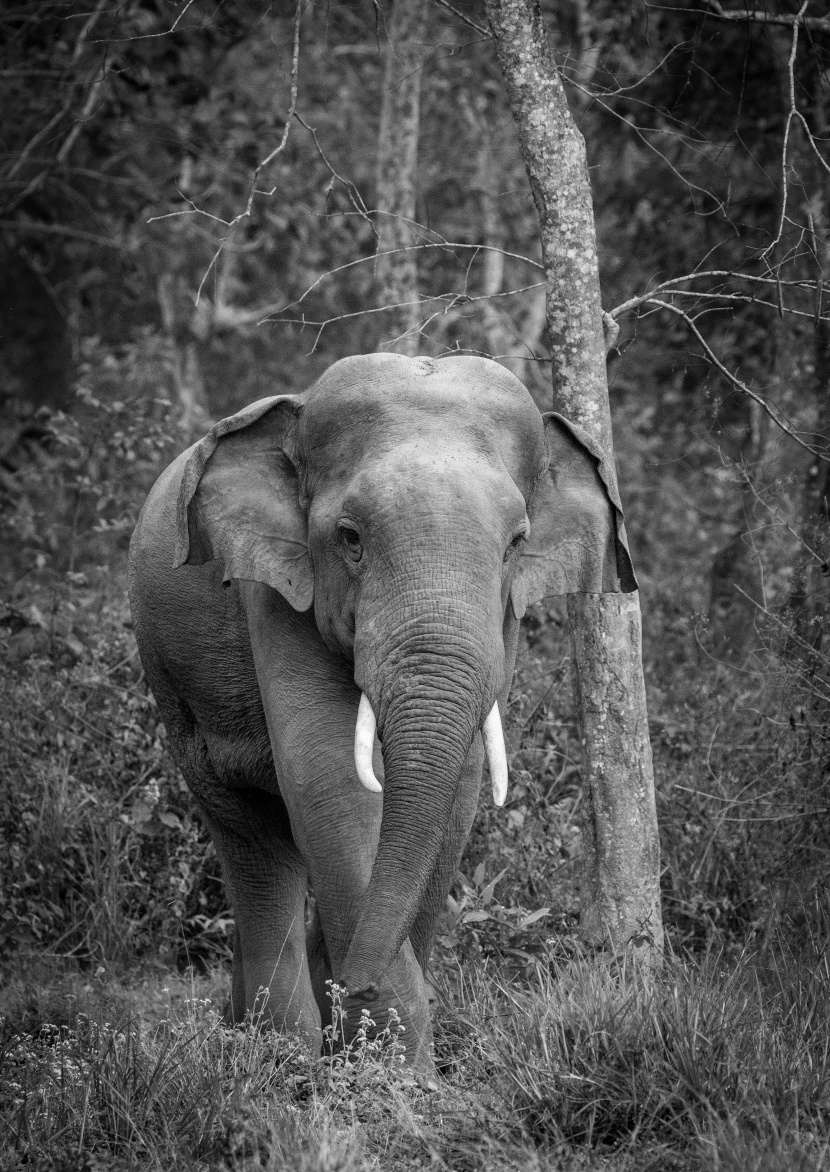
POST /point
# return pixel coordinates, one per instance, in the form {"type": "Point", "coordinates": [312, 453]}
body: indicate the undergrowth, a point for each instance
{"type": "Point", "coordinates": [707, 1051]}
{"type": "Point", "coordinates": [713, 1065]}
{"type": "Point", "coordinates": [102, 857]}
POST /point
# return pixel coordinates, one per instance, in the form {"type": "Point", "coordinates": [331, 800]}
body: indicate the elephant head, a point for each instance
{"type": "Point", "coordinates": [419, 507]}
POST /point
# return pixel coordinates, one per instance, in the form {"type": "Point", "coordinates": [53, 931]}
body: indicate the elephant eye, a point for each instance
{"type": "Point", "coordinates": [350, 541]}
{"type": "Point", "coordinates": [520, 537]}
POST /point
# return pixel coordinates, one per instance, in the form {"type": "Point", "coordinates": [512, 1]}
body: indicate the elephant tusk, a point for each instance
{"type": "Point", "coordinates": [496, 756]}
{"type": "Point", "coordinates": [364, 743]}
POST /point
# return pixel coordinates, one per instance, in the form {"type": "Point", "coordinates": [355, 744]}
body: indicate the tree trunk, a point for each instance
{"type": "Point", "coordinates": [812, 595]}
{"type": "Point", "coordinates": [812, 603]}
{"type": "Point", "coordinates": [621, 855]}
{"type": "Point", "coordinates": [194, 416]}
{"type": "Point", "coordinates": [397, 271]}
{"type": "Point", "coordinates": [737, 596]}
{"type": "Point", "coordinates": [497, 338]}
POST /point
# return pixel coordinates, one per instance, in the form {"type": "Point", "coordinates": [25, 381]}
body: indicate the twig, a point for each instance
{"type": "Point", "coordinates": [736, 382]}
{"type": "Point", "coordinates": [751, 16]}
{"type": "Point", "coordinates": [24, 225]}
{"type": "Point", "coordinates": [95, 84]}
{"type": "Point", "coordinates": [165, 32]}
{"type": "Point", "coordinates": [479, 28]}
{"type": "Point", "coordinates": [811, 651]}
{"type": "Point", "coordinates": [641, 135]}
{"type": "Point", "coordinates": [292, 108]}
{"type": "Point", "coordinates": [791, 113]}
{"type": "Point", "coordinates": [452, 299]}
{"type": "Point", "coordinates": [778, 519]}
{"type": "Point", "coordinates": [725, 274]}
{"type": "Point", "coordinates": [745, 299]}
{"type": "Point", "coordinates": [354, 194]}
{"type": "Point", "coordinates": [443, 244]}
{"type": "Point", "coordinates": [621, 89]}
{"type": "Point", "coordinates": [254, 191]}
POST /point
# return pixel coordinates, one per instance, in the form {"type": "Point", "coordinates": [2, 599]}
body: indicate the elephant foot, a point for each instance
{"type": "Point", "coordinates": [263, 1017]}
{"type": "Point", "coordinates": [411, 1037]}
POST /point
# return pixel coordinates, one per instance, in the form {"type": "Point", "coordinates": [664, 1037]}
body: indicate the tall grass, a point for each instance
{"type": "Point", "coordinates": [720, 1065]}
{"type": "Point", "coordinates": [714, 1065]}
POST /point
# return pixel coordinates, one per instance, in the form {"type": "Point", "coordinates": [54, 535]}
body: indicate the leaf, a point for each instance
{"type": "Point", "coordinates": [35, 617]}
{"type": "Point", "coordinates": [478, 875]}
{"type": "Point", "coordinates": [475, 917]}
{"type": "Point", "coordinates": [533, 917]}
{"type": "Point", "coordinates": [141, 812]}
{"type": "Point", "coordinates": [487, 893]}
{"type": "Point", "coordinates": [168, 818]}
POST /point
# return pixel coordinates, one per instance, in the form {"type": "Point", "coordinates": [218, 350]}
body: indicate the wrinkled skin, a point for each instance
{"type": "Point", "coordinates": [381, 533]}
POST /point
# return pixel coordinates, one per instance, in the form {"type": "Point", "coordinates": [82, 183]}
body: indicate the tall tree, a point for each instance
{"type": "Point", "coordinates": [620, 892]}
{"type": "Point", "coordinates": [812, 595]}
{"type": "Point", "coordinates": [397, 270]}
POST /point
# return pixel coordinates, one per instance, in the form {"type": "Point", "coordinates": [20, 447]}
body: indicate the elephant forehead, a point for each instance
{"type": "Point", "coordinates": [382, 382]}
{"type": "Point", "coordinates": [429, 484]}
{"type": "Point", "coordinates": [374, 407]}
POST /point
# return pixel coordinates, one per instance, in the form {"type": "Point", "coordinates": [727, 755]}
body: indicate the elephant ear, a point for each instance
{"type": "Point", "coordinates": [577, 536]}
{"type": "Point", "coordinates": [239, 500]}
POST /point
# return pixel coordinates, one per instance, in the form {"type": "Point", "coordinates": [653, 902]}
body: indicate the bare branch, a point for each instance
{"type": "Point", "coordinates": [86, 29]}
{"type": "Point", "coordinates": [254, 190]}
{"type": "Point", "coordinates": [355, 197]}
{"type": "Point", "coordinates": [566, 71]}
{"type": "Point", "coordinates": [165, 32]}
{"type": "Point", "coordinates": [292, 107]}
{"type": "Point", "coordinates": [86, 113]}
{"type": "Point", "coordinates": [24, 226]}
{"type": "Point", "coordinates": [642, 136]}
{"type": "Point", "coordinates": [724, 274]}
{"type": "Point", "coordinates": [610, 330]}
{"type": "Point", "coordinates": [746, 299]}
{"type": "Point", "coordinates": [445, 245]}
{"type": "Point", "coordinates": [734, 380]}
{"type": "Point", "coordinates": [94, 81]}
{"type": "Point", "coordinates": [479, 28]}
{"type": "Point", "coordinates": [451, 301]}
{"type": "Point", "coordinates": [752, 16]}
{"type": "Point", "coordinates": [803, 645]}
{"type": "Point", "coordinates": [791, 113]}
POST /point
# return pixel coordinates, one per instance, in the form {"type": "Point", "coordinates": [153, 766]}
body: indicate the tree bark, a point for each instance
{"type": "Point", "coordinates": [194, 417]}
{"type": "Point", "coordinates": [812, 596]}
{"type": "Point", "coordinates": [396, 270]}
{"type": "Point", "coordinates": [620, 891]}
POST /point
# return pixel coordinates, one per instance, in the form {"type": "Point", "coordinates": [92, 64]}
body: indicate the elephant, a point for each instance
{"type": "Point", "coordinates": [326, 593]}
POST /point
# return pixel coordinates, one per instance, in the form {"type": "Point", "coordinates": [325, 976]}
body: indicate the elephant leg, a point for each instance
{"type": "Point", "coordinates": [319, 964]}
{"type": "Point", "coordinates": [267, 881]}
{"type": "Point", "coordinates": [235, 1009]}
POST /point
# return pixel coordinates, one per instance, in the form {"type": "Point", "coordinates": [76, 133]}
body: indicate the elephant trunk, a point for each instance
{"type": "Point", "coordinates": [431, 711]}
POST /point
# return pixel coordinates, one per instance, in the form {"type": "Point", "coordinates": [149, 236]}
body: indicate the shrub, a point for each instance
{"type": "Point", "coordinates": [101, 855]}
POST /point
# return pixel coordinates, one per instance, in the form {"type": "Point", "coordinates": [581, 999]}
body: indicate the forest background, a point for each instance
{"type": "Point", "coordinates": [156, 277]}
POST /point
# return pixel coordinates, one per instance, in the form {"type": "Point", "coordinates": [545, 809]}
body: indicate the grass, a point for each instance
{"type": "Point", "coordinates": [714, 1065]}
{"type": "Point", "coordinates": [709, 1057]}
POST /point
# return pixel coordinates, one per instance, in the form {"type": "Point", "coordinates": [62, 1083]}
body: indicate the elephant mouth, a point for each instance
{"type": "Point", "coordinates": [491, 731]}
